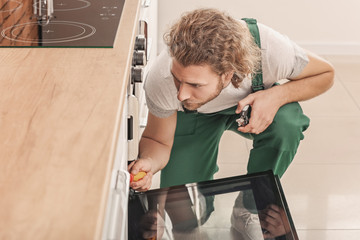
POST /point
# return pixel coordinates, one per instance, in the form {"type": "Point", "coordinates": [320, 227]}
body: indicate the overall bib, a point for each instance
{"type": "Point", "coordinates": [194, 153]}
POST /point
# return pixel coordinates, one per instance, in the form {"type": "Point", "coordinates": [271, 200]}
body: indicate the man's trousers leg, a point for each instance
{"type": "Point", "coordinates": [195, 149]}
{"type": "Point", "coordinates": [275, 148]}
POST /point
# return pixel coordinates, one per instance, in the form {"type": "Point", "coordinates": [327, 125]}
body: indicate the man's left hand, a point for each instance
{"type": "Point", "coordinates": [264, 106]}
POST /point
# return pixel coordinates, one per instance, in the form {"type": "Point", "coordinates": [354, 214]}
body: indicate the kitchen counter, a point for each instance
{"type": "Point", "coordinates": [59, 120]}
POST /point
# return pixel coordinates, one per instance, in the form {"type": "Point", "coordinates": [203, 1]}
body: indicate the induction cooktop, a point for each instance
{"type": "Point", "coordinates": [59, 23]}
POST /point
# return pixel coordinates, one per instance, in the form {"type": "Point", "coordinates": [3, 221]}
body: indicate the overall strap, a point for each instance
{"type": "Point", "coordinates": [257, 80]}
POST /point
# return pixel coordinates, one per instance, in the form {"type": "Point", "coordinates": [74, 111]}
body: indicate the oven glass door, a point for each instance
{"type": "Point", "coordinates": [244, 207]}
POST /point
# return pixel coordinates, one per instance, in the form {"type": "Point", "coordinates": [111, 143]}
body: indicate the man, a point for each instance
{"type": "Point", "coordinates": [196, 90]}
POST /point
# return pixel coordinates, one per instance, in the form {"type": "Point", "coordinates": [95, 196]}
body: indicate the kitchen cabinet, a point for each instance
{"type": "Point", "coordinates": [60, 120]}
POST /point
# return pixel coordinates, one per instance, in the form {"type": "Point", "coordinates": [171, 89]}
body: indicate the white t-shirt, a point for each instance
{"type": "Point", "coordinates": [280, 58]}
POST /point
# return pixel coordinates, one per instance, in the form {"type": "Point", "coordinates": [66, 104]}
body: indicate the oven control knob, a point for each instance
{"type": "Point", "coordinates": [140, 42]}
{"type": "Point", "coordinates": [139, 58]}
{"type": "Point", "coordinates": [137, 73]}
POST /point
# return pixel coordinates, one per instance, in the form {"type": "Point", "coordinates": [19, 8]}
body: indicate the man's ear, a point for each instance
{"type": "Point", "coordinates": [226, 78]}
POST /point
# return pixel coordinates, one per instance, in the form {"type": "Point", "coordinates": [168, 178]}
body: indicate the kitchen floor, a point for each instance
{"type": "Point", "coordinates": [322, 185]}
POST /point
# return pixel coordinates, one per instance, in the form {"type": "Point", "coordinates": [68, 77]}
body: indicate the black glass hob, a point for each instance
{"type": "Point", "coordinates": [59, 23]}
{"type": "Point", "coordinates": [243, 207]}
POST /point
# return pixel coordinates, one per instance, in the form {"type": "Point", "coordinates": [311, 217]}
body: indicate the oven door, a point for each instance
{"type": "Point", "coordinates": [228, 208]}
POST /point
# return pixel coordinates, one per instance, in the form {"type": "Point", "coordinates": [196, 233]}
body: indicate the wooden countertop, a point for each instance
{"type": "Point", "coordinates": [59, 118]}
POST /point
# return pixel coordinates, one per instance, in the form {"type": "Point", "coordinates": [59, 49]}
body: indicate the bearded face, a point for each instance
{"type": "Point", "coordinates": [197, 84]}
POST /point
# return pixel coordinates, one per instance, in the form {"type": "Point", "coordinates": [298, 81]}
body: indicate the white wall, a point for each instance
{"type": "Point", "coordinates": [324, 26]}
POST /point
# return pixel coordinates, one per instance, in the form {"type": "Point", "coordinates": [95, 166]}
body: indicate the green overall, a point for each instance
{"type": "Point", "coordinates": [194, 153]}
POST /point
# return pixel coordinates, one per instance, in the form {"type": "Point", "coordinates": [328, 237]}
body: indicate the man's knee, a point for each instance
{"type": "Point", "coordinates": [288, 125]}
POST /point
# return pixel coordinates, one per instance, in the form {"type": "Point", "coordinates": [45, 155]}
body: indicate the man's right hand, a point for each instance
{"type": "Point", "coordinates": [141, 165]}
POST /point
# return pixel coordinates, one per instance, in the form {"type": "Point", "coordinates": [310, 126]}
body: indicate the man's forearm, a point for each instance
{"type": "Point", "coordinates": [316, 78]}
{"type": "Point", "coordinates": [306, 88]}
{"type": "Point", "coordinates": [155, 152]}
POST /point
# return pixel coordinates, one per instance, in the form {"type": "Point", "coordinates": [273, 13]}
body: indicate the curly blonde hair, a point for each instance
{"type": "Point", "coordinates": [209, 36]}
